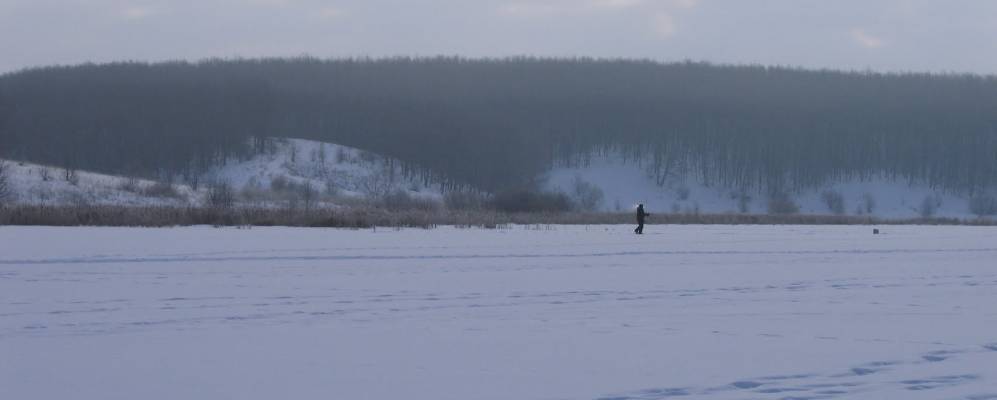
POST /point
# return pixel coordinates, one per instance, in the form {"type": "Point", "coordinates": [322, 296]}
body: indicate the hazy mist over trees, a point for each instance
{"type": "Point", "coordinates": [496, 123]}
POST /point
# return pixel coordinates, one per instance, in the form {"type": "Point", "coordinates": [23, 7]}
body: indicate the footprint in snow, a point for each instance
{"type": "Point", "coordinates": [938, 382]}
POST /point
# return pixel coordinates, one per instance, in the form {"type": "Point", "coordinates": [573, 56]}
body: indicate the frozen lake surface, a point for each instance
{"type": "Point", "coordinates": [696, 312]}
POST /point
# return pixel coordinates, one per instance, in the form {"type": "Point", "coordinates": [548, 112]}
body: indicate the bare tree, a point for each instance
{"type": "Point", "coordinates": [588, 196]}
{"type": "Point", "coordinates": [929, 206]}
{"type": "Point", "coordinates": [69, 174]}
{"type": "Point", "coordinates": [868, 203]}
{"type": "Point", "coordinates": [193, 178]}
{"type": "Point", "coordinates": [322, 154]}
{"type": "Point", "coordinates": [308, 195]}
{"type": "Point", "coordinates": [221, 195]}
{"type": "Point", "coordinates": [5, 189]}
{"type": "Point", "coordinates": [743, 201]}
{"type": "Point", "coordinates": [682, 192]}
{"type": "Point", "coordinates": [834, 201]}
{"type": "Point", "coordinates": [130, 184]}
{"type": "Point", "coordinates": [375, 186]}
{"type": "Point", "coordinates": [782, 203]}
{"type": "Point", "coordinates": [983, 205]}
{"type": "Point", "coordinates": [341, 155]}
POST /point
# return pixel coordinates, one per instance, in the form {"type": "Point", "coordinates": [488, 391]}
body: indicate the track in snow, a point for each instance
{"type": "Point", "coordinates": [710, 312]}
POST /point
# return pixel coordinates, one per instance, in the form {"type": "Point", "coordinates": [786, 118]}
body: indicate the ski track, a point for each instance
{"type": "Point", "coordinates": [858, 379]}
{"type": "Point", "coordinates": [118, 293]}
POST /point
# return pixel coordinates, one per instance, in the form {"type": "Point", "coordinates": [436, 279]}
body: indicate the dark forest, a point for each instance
{"type": "Point", "coordinates": [497, 123]}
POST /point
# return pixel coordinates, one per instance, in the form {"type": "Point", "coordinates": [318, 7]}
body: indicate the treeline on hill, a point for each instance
{"type": "Point", "coordinates": [496, 123]}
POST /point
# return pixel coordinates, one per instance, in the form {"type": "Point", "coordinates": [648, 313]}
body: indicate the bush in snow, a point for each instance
{"type": "Point", "coordinates": [70, 175]}
{"type": "Point", "coordinates": [161, 190]}
{"type": "Point", "coordinates": [588, 196]}
{"type": "Point", "coordinates": [322, 155]}
{"type": "Point", "coordinates": [834, 201]}
{"type": "Point", "coordinates": [294, 153]}
{"type": "Point", "coordinates": [342, 156]}
{"type": "Point", "coordinates": [929, 206]}
{"type": "Point", "coordinates": [45, 174]}
{"type": "Point", "coordinates": [526, 200]}
{"type": "Point", "coordinates": [308, 195]}
{"type": "Point", "coordinates": [279, 184]}
{"type": "Point", "coordinates": [781, 203]}
{"type": "Point", "coordinates": [130, 185]}
{"type": "Point", "coordinates": [367, 157]}
{"type": "Point", "coordinates": [402, 200]}
{"type": "Point", "coordinates": [743, 202]}
{"type": "Point", "coordinates": [375, 186]}
{"type": "Point", "coordinates": [695, 209]}
{"type": "Point", "coordinates": [868, 203]}
{"type": "Point", "coordinates": [253, 191]}
{"type": "Point", "coordinates": [77, 198]}
{"type": "Point", "coordinates": [983, 205]}
{"type": "Point", "coordinates": [221, 195]}
{"type": "Point", "coordinates": [331, 189]}
{"type": "Point", "coordinates": [682, 192]}
{"type": "Point", "coordinates": [463, 200]}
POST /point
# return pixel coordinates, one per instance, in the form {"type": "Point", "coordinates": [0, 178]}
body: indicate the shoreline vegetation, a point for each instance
{"type": "Point", "coordinates": [372, 217]}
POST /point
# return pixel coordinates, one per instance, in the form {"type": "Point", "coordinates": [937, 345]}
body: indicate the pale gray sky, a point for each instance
{"type": "Point", "coordinates": [885, 35]}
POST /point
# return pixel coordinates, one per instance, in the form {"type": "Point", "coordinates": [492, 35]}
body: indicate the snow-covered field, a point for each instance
{"type": "Point", "coordinates": [703, 312]}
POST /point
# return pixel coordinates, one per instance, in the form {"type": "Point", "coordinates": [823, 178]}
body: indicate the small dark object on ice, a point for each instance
{"type": "Point", "coordinates": [875, 231]}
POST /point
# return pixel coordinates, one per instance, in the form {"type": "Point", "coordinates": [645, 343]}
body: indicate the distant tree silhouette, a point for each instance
{"type": "Point", "coordinates": [497, 123]}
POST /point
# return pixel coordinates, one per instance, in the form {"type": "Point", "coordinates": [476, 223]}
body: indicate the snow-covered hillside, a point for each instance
{"type": "Point", "coordinates": [325, 167]}
{"type": "Point", "coordinates": [46, 185]}
{"type": "Point", "coordinates": [333, 175]}
{"type": "Point", "coordinates": [624, 184]}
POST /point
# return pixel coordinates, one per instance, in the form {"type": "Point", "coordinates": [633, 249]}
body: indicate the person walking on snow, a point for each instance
{"type": "Point", "coordinates": [640, 219]}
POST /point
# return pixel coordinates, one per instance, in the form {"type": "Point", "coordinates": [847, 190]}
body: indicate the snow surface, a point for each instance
{"type": "Point", "coordinates": [625, 184]}
{"type": "Point", "coordinates": [539, 312]}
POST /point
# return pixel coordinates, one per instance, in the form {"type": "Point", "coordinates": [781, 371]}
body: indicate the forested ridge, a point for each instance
{"type": "Point", "coordinates": [496, 123]}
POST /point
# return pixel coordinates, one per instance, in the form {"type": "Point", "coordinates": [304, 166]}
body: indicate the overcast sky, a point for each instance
{"type": "Point", "coordinates": [885, 35]}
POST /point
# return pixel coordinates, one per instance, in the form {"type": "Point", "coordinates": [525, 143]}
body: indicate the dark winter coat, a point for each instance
{"type": "Point", "coordinates": [641, 214]}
